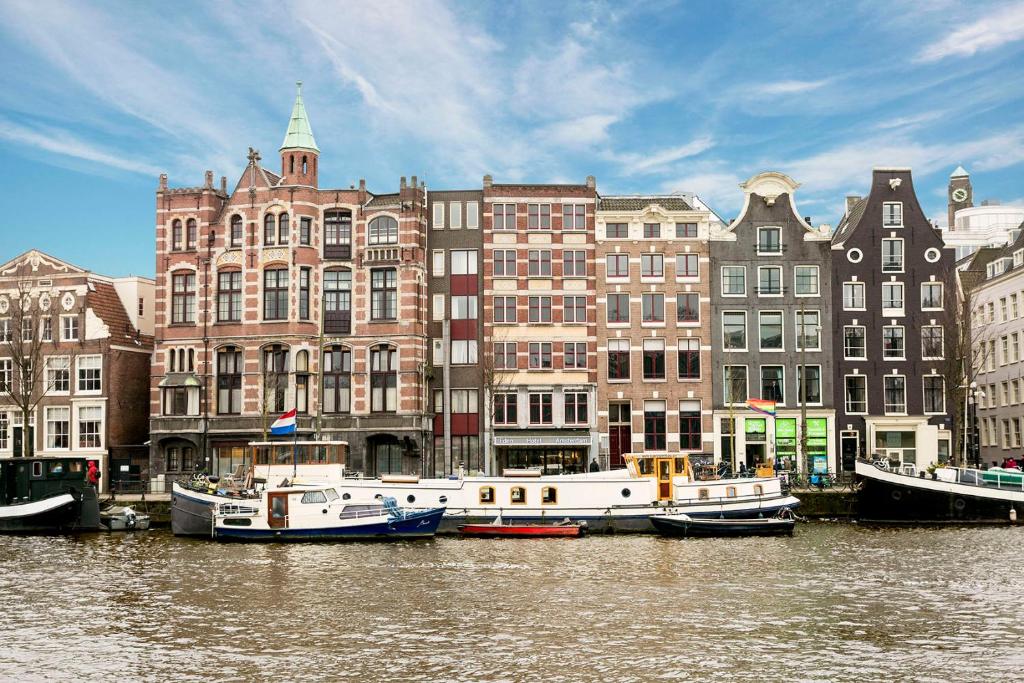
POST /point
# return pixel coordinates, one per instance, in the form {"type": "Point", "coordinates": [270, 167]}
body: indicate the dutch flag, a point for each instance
{"type": "Point", "coordinates": [284, 424]}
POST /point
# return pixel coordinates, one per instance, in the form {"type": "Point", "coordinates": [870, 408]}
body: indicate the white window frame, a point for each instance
{"type": "Point", "coordinates": [846, 400]}
{"type": "Point", "coordinates": [64, 319]}
{"type": "Point", "coordinates": [760, 383]}
{"type": "Point", "coordinates": [924, 403]}
{"type": "Point", "coordinates": [885, 405]}
{"type": "Point", "coordinates": [78, 374]}
{"type": "Point", "coordinates": [761, 229]}
{"type": "Point", "coordinates": [782, 322]}
{"type": "Point", "coordinates": [438, 262]}
{"type": "Point", "coordinates": [455, 215]}
{"type": "Point", "coordinates": [865, 347]}
{"type": "Point", "coordinates": [903, 255]}
{"type": "Point", "coordinates": [472, 215]}
{"type": "Point", "coordinates": [472, 261]}
{"type": "Point", "coordinates": [890, 311]}
{"type": "Point", "coordinates": [725, 382]}
{"type": "Point", "coordinates": [48, 364]}
{"type": "Point", "coordinates": [471, 355]}
{"type": "Point", "coordinates": [438, 307]}
{"type": "Point", "coordinates": [681, 276]}
{"type": "Point", "coordinates": [746, 333]}
{"type": "Point", "coordinates": [797, 326]}
{"type": "Point", "coordinates": [782, 282]}
{"type": "Point", "coordinates": [438, 222]}
{"type": "Point", "coordinates": [895, 358]}
{"type": "Point", "coordinates": [46, 427]}
{"type": "Point", "coordinates": [817, 281]}
{"type": "Point", "coordinates": [821, 384]}
{"type": "Point", "coordinates": [77, 426]}
{"type": "Point", "coordinates": [942, 332]}
{"type": "Point", "coordinates": [856, 284]}
{"type": "Point", "coordinates": [942, 295]}
{"type": "Point", "coordinates": [885, 215]}
{"type": "Point", "coordinates": [735, 296]}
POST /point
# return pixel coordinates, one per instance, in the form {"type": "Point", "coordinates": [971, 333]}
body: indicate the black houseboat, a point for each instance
{"type": "Point", "coordinates": [46, 495]}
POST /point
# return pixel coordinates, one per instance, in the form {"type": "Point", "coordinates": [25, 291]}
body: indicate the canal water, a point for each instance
{"type": "Point", "coordinates": [835, 602]}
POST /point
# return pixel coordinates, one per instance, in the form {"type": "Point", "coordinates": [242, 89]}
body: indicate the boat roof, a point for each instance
{"type": "Point", "coordinates": [300, 442]}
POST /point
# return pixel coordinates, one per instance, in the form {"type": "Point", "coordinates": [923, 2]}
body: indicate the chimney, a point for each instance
{"type": "Point", "coordinates": [224, 184]}
{"type": "Point", "coordinates": [488, 180]}
{"type": "Point", "coordinates": [362, 185]}
{"type": "Point", "coordinates": [413, 183]}
{"type": "Point", "coordinates": [851, 199]}
{"type": "Point", "coordinates": [807, 220]}
{"type": "Point", "coordinates": [591, 182]}
{"type": "Point", "coordinates": [401, 183]}
{"type": "Point", "coordinates": [163, 182]}
{"type": "Point", "coordinates": [208, 180]}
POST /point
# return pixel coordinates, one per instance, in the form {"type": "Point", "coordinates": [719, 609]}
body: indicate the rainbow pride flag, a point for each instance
{"type": "Point", "coordinates": [761, 406]}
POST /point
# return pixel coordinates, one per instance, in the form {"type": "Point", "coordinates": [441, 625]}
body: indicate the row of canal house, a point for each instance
{"type": "Point", "coordinates": [540, 324]}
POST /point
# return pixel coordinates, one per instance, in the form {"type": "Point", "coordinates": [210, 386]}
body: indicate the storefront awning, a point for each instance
{"type": "Point", "coordinates": [542, 437]}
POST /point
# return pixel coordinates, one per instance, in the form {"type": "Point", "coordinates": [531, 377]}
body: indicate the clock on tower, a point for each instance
{"type": "Point", "coordinates": [960, 196]}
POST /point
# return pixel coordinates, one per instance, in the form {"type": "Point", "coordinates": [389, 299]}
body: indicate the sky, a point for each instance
{"type": "Point", "coordinates": [97, 99]}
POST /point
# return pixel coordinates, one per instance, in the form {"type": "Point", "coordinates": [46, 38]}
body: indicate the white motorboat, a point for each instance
{"type": "Point", "coordinates": [123, 518]}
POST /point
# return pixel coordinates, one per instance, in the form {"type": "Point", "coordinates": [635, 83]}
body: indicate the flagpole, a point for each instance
{"type": "Point", "coordinates": [295, 448]}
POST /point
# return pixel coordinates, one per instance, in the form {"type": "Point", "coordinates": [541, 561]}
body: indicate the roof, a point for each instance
{"type": "Point", "coordinates": [850, 221]}
{"type": "Point", "coordinates": [671, 203]}
{"type": "Point", "coordinates": [106, 304]}
{"type": "Point", "coordinates": [300, 134]}
{"type": "Point", "coordinates": [959, 172]}
{"type": "Point", "coordinates": [385, 200]}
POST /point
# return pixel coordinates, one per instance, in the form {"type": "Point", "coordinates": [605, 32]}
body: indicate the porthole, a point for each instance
{"type": "Point", "coordinates": [932, 255]}
{"type": "Point", "coordinates": [855, 255]}
{"type": "Point", "coordinates": [346, 496]}
{"type": "Point", "coordinates": [442, 500]}
{"type": "Point", "coordinates": [626, 493]}
{"type": "Point", "coordinates": [410, 498]}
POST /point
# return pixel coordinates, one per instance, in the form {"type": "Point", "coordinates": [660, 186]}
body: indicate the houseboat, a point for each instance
{"type": "Point", "coordinates": [47, 495]}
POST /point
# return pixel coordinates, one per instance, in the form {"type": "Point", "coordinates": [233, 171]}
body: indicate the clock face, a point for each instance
{"type": "Point", "coordinates": [959, 194]}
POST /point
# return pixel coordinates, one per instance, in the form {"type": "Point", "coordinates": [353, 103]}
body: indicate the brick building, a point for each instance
{"type": "Point", "coordinates": [244, 280]}
{"type": "Point", "coordinates": [653, 326]}
{"type": "Point", "coordinates": [85, 340]}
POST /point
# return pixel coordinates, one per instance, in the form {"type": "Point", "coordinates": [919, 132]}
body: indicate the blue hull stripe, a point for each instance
{"type": "Point", "coordinates": [414, 526]}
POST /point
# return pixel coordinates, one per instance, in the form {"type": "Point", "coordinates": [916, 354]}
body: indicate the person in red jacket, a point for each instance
{"type": "Point", "coordinates": [93, 474]}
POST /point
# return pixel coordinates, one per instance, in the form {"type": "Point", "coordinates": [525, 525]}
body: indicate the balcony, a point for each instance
{"type": "Point", "coordinates": [339, 252]}
{"type": "Point", "coordinates": [338, 322]}
{"type": "Point", "coordinates": [375, 255]}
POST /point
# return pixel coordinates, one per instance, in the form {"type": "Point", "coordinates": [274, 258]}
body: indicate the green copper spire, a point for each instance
{"type": "Point", "coordinates": [299, 134]}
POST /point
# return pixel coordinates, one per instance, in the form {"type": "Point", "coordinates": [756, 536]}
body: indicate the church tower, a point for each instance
{"type": "Point", "coordinates": [299, 153]}
{"type": "Point", "coordinates": [959, 193]}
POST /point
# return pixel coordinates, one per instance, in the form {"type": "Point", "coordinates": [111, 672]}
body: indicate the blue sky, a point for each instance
{"type": "Point", "coordinates": [97, 99]}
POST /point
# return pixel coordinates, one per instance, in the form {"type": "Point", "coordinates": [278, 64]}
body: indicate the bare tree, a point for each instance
{"type": "Point", "coordinates": [26, 330]}
{"type": "Point", "coordinates": [494, 376]}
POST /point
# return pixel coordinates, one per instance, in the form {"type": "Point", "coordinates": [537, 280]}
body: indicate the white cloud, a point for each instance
{"type": "Point", "coordinates": [788, 87]}
{"type": "Point", "coordinates": [720, 189]}
{"type": "Point", "coordinates": [1006, 25]}
{"type": "Point", "coordinates": [633, 163]}
{"type": "Point", "coordinates": [64, 143]}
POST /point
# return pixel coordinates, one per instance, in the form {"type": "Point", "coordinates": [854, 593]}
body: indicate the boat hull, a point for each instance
{"type": "Point", "coordinates": [413, 526]}
{"type": "Point", "coordinates": [888, 497]}
{"type": "Point", "coordinates": [521, 530]}
{"type": "Point", "coordinates": [52, 515]}
{"type": "Point", "coordinates": [192, 513]}
{"type": "Point", "coordinates": [668, 526]}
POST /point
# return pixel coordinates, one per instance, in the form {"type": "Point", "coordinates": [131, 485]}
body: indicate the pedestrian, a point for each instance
{"type": "Point", "coordinates": [594, 467]}
{"type": "Point", "coordinates": [93, 474]}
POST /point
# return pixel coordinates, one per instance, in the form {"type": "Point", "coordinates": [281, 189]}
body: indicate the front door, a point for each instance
{"type": "Point", "coordinates": [18, 439]}
{"type": "Point", "coordinates": [755, 454]}
{"type": "Point", "coordinates": [277, 510]}
{"type": "Point", "coordinates": [848, 445]}
{"type": "Point", "coordinates": [663, 468]}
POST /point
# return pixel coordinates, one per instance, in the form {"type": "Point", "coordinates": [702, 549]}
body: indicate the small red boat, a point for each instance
{"type": "Point", "coordinates": [513, 530]}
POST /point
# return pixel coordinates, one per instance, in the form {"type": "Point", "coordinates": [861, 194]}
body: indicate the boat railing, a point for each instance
{"type": "Point", "coordinates": [967, 476]}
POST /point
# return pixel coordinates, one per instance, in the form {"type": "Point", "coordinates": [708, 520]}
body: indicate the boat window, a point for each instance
{"type": "Point", "coordinates": [37, 469]}
{"type": "Point", "coordinates": [626, 493]}
{"type": "Point", "coordinates": [646, 465]}
{"type": "Point", "coordinates": [702, 494]}
{"type": "Point", "coordinates": [410, 498]}
{"type": "Point", "coordinates": [76, 466]}
{"type": "Point", "coordinates": [518, 494]}
{"type": "Point", "coordinates": [549, 494]}
{"type": "Point", "coordinates": [331, 494]}
{"type": "Point", "coordinates": [680, 465]}
{"type": "Point", "coordinates": [486, 494]}
{"type": "Point", "coordinates": [442, 500]}
{"type": "Point", "coordinates": [57, 468]}
{"type": "Point", "coordinates": [758, 490]}
{"type": "Point", "coordinates": [314, 497]}
{"type": "Point", "coordinates": [730, 491]}
{"type": "Point", "coordinates": [346, 496]}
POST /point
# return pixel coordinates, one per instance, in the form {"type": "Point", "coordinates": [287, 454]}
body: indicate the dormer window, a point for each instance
{"type": "Point", "coordinates": [892, 214]}
{"type": "Point", "coordinates": [1018, 258]}
{"type": "Point", "coordinates": [769, 240]}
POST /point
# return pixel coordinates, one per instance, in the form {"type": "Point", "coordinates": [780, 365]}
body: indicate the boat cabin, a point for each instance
{"type": "Point", "coordinates": [24, 480]}
{"type": "Point", "coordinates": [667, 469]}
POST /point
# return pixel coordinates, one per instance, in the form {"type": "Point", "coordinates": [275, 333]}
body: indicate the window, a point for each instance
{"type": "Point", "coordinates": [176, 235]}
{"type": "Point", "coordinates": [895, 390]}
{"type": "Point", "coordinates": [769, 281]}
{"type": "Point", "coordinates": [773, 383]}
{"type": "Point", "coordinates": [932, 342]}
{"type": "Point", "coordinates": [455, 215]}
{"type": "Point", "coordinates": [856, 394]}
{"type": "Point", "coordinates": [652, 265]}
{"type": "Point", "coordinates": [805, 281]}
{"type": "Point", "coordinates": [305, 230]}
{"type": "Point", "coordinates": [229, 381]}
{"type": "Point", "coordinates": [337, 301]}
{"type": "Point", "coordinates": [540, 356]}
{"type": "Point", "coordinates": [504, 216]}
{"type": "Point", "coordinates": [654, 425]}
{"type": "Point", "coordinates": [734, 330]}
{"type": "Point", "coordinates": [687, 265]}
{"type": "Point", "coordinates": [438, 216]}
{"type": "Point", "coordinates": [616, 231]}
{"type": "Point", "coordinates": [275, 377]}
{"type": "Point", "coordinates": [811, 388]}
{"type": "Point", "coordinates": [46, 326]}
{"type": "Point", "coordinates": [540, 309]}
{"type": "Point", "coordinates": [1003, 311]}
{"type": "Point", "coordinates": [383, 379]}
{"type": "Point", "coordinates": [6, 374]}
{"type": "Point", "coordinates": [26, 330]}
{"type": "Point", "coordinates": [505, 356]}
{"type": "Point", "coordinates": [90, 426]}
{"type": "Point", "coordinates": [770, 324]}
{"type": "Point", "coordinates": [808, 331]}
{"type": "Point", "coordinates": [269, 229]}
{"type": "Point", "coordinates": [892, 296]}
{"type": "Point", "coordinates": [574, 217]}
{"type": "Point", "coordinates": [517, 495]}
{"type": "Point", "coordinates": [464, 351]}
{"type": "Point", "coordinates": [337, 380]}
{"type": "Point", "coordinates": [304, 274]}
{"type": "Point", "coordinates": [229, 296]}
{"type": "Point", "coordinates": [617, 265]}
{"type": "Point", "coordinates": [892, 214]}
{"type": "Point", "coordinates": [506, 409]}
{"type": "Point", "coordinates": [893, 342]}
{"type": "Point", "coordinates": [338, 234]}
{"type": "Point", "coordinates": [384, 294]}
{"type": "Point", "coordinates": [58, 374]}
{"type": "Point", "coordinates": [691, 435]}
{"type": "Point", "coordinates": [539, 263]}
{"type": "Point", "coordinates": [574, 309]}
{"type": "Point", "coordinates": [538, 216]}
{"type": "Point", "coordinates": [549, 495]}
{"type": "Point", "coordinates": [654, 359]}
{"type": "Point", "coordinates": [437, 263]}
{"type": "Point", "coordinates": [618, 308]}
{"type": "Point", "coordinates": [486, 495]}
{"type": "Point", "coordinates": [931, 297]}
{"type": "Point", "coordinates": [686, 230]}
{"type": "Point", "coordinates": [275, 294]}
{"type": "Point", "coordinates": [769, 240]}
{"type": "Point", "coordinates": [90, 374]}
{"type": "Point", "coordinates": [575, 356]}
{"type": "Point", "coordinates": [176, 401]}
{"type": "Point", "coordinates": [58, 432]}
{"type": "Point", "coordinates": [282, 229]}
{"type": "Point", "coordinates": [576, 408]}
{"type": "Point", "coordinates": [504, 309]}
{"type": "Point", "coordinates": [855, 342]}
{"type": "Point", "coordinates": [892, 255]}
{"type": "Point", "coordinates": [465, 401]}
{"type": "Point", "coordinates": [652, 307]}
{"type": "Point", "coordinates": [688, 307]}
{"type": "Point", "coordinates": [69, 323]}
{"type": "Point", "coordinates": [472, 215]}
{"type": "Point", "coordinates": [236, 231]}
{"type": "Point", "coordinates": [505, 263]}
{"type": "Point", "coordinates": [464, 262]}
{"type": "Point", "coordinates": [383, 230]}
{"type": "Point", "coordinates": [735, 383]}
{"type": "Point", "coordinates": [652, 230]}
{"type": "Point", "coordinates": [734, 281]}
{"type": "Point", "coordinates": [618, 359]}
{"type": "Point", "coordinates": [540, 409]}
{"type": "Point", "coordinates": [574, 263]}
{"type": "Point", "coordinates": [853, 296]}
{"type": "Point", "coordinates": [934, 394]}
{"type": "Point", "coordinates": [183, 298]}
{"type": "Point", "coordinates": [689, 359]}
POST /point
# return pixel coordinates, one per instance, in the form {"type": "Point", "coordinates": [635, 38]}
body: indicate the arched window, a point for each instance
{"type": "Point", "coordinates": [275, 377]}
{"type": "Point", "coordinates": [302, 382]}
{"type": "Point", "coordinates": [337, 369]}
{"type": "Point", "coordinates": [282, 229]}
{"type": "Point", "coordinates": [338, 301]}
{"type": "Point", "coordinates": [183, 297]}
{"type": "Point", "coordinates": [305, 165]}
{"type": "Point", "coordinates": [518, 495]}
{"type": "Point", "coordinates": [549, 495]}
{"type": "Point", "coordinates": [229, 380]}
{"type": "Point", "coordinates": [190, 234]}
{"type": "Point", "coordinates": [291, 163]}
{"type": "Point", "coordinates": [383, 379]}
{"type": "Point", "coordinates": [383, 230]}
{"type": "Point", "coordinates": [486, 495]}
{"type": "Point", "coordinates": [176, 235]}
{"type": "Point", "coordinates": [236, 230]}
{"type": "Point", "coordinates": [268, 229]}
{"type": "Point", "coordinates": [338, 234]}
